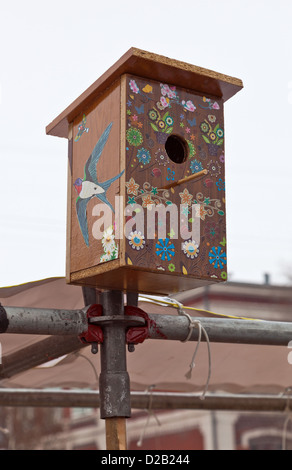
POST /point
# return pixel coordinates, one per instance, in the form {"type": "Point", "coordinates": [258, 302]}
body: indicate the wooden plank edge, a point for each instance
{"type": "Point", "coordinates": [133, 58]}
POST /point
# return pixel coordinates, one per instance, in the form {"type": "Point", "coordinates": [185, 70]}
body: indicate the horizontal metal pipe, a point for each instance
{"type": "Point", "coordinates": [170, 327]}
{"type": "Point", "coordinates": [142, 400]}
{"type": "Point", "coordinates": [42, 321]}
{"type": "Point", "coordinates": [222, 330]}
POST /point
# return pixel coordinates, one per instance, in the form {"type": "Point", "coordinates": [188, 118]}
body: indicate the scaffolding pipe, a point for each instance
{"type": "Point", "coordinates": [171, 327]}
{"type": "Point", "coordinates": [142, 400]}
{"type": "Point", "coordinates": [42, 321]}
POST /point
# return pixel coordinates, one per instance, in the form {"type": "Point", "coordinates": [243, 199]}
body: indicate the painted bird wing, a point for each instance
{"type": "Point", "coordinates": [105, 186]}
{"type": "Point", "coordinates": [104, 199]}
{"type": "Point", "coordinates": [81, 205]}
{"type": "Point", "coordinates": [90, 172]}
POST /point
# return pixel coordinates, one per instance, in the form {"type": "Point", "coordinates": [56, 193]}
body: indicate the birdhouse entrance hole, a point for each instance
{"type": "Point", "coordinates": [176, 148]}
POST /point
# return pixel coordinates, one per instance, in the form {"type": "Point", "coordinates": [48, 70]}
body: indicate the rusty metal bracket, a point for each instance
{"type": "Point", "coordinates": [135, 321]}
{"type": "Point", "coordinates": [94, 334]}
{"type": "Point", "coordinates": [137, 333]}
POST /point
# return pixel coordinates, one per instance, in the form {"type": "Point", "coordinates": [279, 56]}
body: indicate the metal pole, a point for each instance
{"type": "Point", "coordinates": [141, 400]}
{"type": "Point", "coordinates": [221, 330]}
{"type": "Point", "coordinates": [114, 381]}
{"type": "Point", "coordinates": [42, 321]}
{"type": "Point", "coordinates": [170, 327]}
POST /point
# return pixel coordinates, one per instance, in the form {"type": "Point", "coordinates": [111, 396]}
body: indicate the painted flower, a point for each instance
{"type": "Point", "coordinates": [167, 90]}
{"type": "Point", "coordinates": [147, 200]}
{"type": "Point", "coordinates": [214, 168]}
{"type": "Point", "coordinates": [186, 197]}
{"type": "Point", "coordinates": [161, 124]}
{"type": "Point", "coordinates": [191, 248]}
{"type": "Point", "coordinates": [143, 156]}
{"type": "Point", "coordinates": [196, 166]}
{"type": "Point", "coordinates": [217, 257]}
{"type": "Point", "coordinates": [134, 87]}
{"type": "Point", "coordinates": [220, 185]}
{"type": "Point", "coordinates": [152, 114]}
{"type": "Point", "coordinates": [212, 118]}
{"type": "Point", "coordinates": [136, 240]}
{"type": "Point", "coordinates": [110, 253]}
{"type": "Point", "coordinates": [132, 187]}
{"type": "Point", "coordinates": [204, 127]}
{"type": "Point", "coordinates": [169, 121]}
{"type": "Point", "coordinates": [220, 132]}
{"type": "Point", "coordinates": [108, 239]}
{"type": "Point", "coordinates": [165, 249]}
{"type": "Point", "coordinates": [189, 105]}
{"type": "Point", "coordinates": [224, 275]}
{"type": "Point", "coordinates": [222, 158]}
{"type": "Point", "coordinates": [134, 137]}
{"type": "Point", "coordinates": [163, 102]}
{"type": "Point", "coordinates": [215, 105]}
{"type": "Point", "coordinates": [164, 89]}
{"type": "Point", "coordinates": [171, 267]}
{"type": "Point", "coordinates": [105, 258]}
{"type": "Point", "coordinates": [203, 212]}
{"type": "Point", "coordinates": [170, 174]}
{"type": "Point", "coordinates": [161, 158]}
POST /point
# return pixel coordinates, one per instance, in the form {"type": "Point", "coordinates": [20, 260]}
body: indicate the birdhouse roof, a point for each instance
{"type": "Point", "coordinates": [151, 66]}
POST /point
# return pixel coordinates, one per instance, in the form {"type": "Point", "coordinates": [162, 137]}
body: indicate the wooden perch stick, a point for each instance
{"type": "Point", "coordinates": [186, 179]}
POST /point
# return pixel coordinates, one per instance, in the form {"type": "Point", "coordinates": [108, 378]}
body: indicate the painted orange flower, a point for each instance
{"type": "Point", "coordinates": [186, 197]}
{"type": "Point", "coordinates": [147, 200]}
{"type": "Point", "coordinates": [202, 212]}
{"type": "Point", "coordinates": [132, 187]}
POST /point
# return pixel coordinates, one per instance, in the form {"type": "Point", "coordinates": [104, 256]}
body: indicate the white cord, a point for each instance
{"type": "Point", "coordinates": [193, 323]}
{"type": "Point", "coordinates": [150, 412]}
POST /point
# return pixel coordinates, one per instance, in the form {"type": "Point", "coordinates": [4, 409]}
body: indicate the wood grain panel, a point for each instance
{"type": "Point", "coordinates": [98, 116]}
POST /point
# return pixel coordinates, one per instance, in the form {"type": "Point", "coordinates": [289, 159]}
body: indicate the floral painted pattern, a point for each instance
{"type": "Point", "coordinates": [134, 137]}
{"type": "Point", "coordinates": [186, 197]}
{"type": "Point", "coordinates": [190, 249]}
{"type": "Point", "coordinates": [143, 156]}
{"type": "Point", "coordinates": [155, 111]}
{"type": "Point", "coordinates": [111, 249]}
{"type": "Point", "coordinates": [217, 257]}
{"type": "Point", "coordinates": [165, 249]}
{"type": "Point", "coordinates": [136, 240]}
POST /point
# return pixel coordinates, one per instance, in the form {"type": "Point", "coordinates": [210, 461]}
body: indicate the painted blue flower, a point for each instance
{"type": "Point", "coordinates": [196, 166]}
{"type": "Point", "coordinates": [170, 174]}
{"type": "Point", "coordinates": [165, 249]}
{"type": "Point", "coordinates": [217, 257]}
{"type": "Point", "coordinates": [143, 156]}
{"type": "Point", "coordinates": [220, 185]}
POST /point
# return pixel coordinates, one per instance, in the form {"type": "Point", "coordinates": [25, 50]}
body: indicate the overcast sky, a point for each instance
{"type": "Point", "coordinates": [51, 54]}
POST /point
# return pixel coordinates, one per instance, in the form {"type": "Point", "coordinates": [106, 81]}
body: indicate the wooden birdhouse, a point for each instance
{"type": "Point", "coordinates": [146, 184]}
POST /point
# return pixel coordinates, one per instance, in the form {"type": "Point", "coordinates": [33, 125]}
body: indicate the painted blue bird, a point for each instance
{"type": "Point", "coordinates": [90, 187]}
